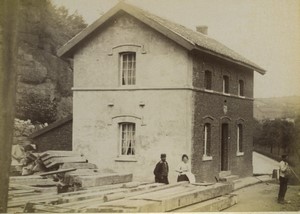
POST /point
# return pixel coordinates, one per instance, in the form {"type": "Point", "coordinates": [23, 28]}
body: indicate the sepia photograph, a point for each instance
{"type": "Point", "coordinates": [149, 106]}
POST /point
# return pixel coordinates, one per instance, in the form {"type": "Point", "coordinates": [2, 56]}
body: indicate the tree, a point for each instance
{"type": "Point", "coordinates": [276, 133]}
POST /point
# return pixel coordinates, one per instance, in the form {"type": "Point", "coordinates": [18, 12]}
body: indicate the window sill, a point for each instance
{"type": "Point", "coordinates": [209, 90]}
{"type": "Point", "coordinates": [206, 158]}
{"type": "Point", "coordinates": [128, 86]}
{"type": "Point", "coordinates": [240, 154]}
{"type": "Point", "coordinates": [241, 96]}
{"type": "Point", "coordinates": [125, 159]}
{"type": "Point", "coordinates": [226, 94]}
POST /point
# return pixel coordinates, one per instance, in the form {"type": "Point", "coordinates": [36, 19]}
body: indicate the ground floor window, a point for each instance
{"type": "Point", "coordinates": [127, 138]}
{"type": "Point", "coordinates": [239, 138]}
{"type": "Point", "coordinates": [207, 140]}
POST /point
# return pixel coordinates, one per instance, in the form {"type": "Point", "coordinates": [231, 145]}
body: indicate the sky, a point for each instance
{"type": "Point", "coordinates": [266, 32]}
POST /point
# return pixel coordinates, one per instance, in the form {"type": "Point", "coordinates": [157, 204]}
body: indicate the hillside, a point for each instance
{"type": "Point", "coordinates": [44, 80]}
{"type": "Point", "coordinates": [276, 107]}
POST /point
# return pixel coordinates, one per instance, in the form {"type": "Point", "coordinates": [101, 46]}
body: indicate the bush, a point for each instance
{"type": "Point", "coordinates": [36, 108]}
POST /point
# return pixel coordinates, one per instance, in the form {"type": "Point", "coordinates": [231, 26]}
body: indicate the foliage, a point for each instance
{"type": "Point", "coordinates": [276, 133]}
{"type": "Point", "coordinates": [42, 29]}
{"type": "Point", "coordinates": [37, 108]}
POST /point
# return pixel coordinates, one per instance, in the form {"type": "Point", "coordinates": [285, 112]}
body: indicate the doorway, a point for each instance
{"type": "Point", "coordinates": [224, 147]}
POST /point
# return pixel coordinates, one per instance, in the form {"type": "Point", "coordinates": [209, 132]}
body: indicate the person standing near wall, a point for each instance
{"type": "Point", "coordinates": [284, 172]}
{"type": "Point", "coordinates": [161, 170]}
{"type": "Point", "coordinates": [184, 170]}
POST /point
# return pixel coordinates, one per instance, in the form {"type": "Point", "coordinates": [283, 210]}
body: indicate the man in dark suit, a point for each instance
{"type": "Point", "coordinates": [161, 170]}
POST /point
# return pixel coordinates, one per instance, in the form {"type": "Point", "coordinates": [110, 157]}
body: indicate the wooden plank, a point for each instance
{"type": "Point", "coordinates": [213, 205]}
{"type": "Point", "coordinates": [54, 161]}
{"type": "Point", "coordinates": [102, 179]}
{"type": "Point", "coordinates": [58, 153]}
{"type": "Point", "coordinates": [196, 196]}
{"type": "Point", "coordinates": [57, 172]}
{"type": "Point", "coordinates": [166, 202]}
{"type": "Point", "coordinates": [48, 157]}
{"type": "Point", "coordinates": [39, 208]}
{"type": "Point", "coordinates": [203, 184]}
{"type": "Point", "coordinates": [31, 181]}
{"type": "Point", "coordinates": [51, 198]}
{"type": "Point", "coordinates": [78, 166]}
{"type": "Point", "coordinates": [14, 187]}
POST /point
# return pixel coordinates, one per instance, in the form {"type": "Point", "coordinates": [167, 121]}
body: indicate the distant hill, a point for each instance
{"type": "Point", "coordinates": [276, 107]}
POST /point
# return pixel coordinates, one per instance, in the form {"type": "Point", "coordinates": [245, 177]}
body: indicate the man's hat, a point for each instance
{"type": "Point", "coordinates": [163, 155]}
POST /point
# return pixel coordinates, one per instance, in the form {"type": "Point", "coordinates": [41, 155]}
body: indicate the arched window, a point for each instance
{"type": "Point", "coordinates": [127, 138]}
{"type": "Point", "coordinates": [208, 80]}
{"type": "Point", "coordinates": [241, 88]}
{"type": "Point", "coordinates": [225, 84]}
{"type": "Point", "coordinates": [128, 68]}
{"type": "Point", "coordinates": [207, 140]}
{"type": "Point", "coordinates": [239, 138]}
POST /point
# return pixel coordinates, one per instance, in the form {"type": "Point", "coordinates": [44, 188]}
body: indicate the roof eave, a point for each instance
{"type": "Point", "coordinates": [67, 49]}
{"type": "Point", "coordinates": [257, 69]}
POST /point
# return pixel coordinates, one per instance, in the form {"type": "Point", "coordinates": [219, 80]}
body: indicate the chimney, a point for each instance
{"type": "Point", "coordinates": [202, 29]}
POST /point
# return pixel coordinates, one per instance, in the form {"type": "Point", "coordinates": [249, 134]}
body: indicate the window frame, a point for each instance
{"type": "Point", "coordinates": [121, 140]}
{"type": "Point", "coordinates": [208, 79]}
{"type": "Point", "coordinates": [121, 69]}
{"type": "Point", "coordinates": [207, 157]}
{"type": "Point", "coordinates": [224, 81]}
{"type": "Point", "coordinates": [241, 86]}
{"type": "Point", "coordinates": [239, 139]}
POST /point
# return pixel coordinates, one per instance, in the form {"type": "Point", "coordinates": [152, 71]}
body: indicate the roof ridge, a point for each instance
{"type": "Point", "coordinates": [183, 35]}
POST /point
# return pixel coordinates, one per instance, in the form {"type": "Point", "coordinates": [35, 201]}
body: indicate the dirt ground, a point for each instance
{"type": "Point", "coordinates": [262, 197]}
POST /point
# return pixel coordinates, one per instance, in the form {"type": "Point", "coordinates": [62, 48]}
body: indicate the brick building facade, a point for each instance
{"type": "Point", "coordinates": [144, 86]}
{"type": "Point", "coordinates": [56, 136]}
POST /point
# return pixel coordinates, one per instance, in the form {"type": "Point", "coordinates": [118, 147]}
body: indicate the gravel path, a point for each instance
{"type": "Point", "coordinates": [262, 197]}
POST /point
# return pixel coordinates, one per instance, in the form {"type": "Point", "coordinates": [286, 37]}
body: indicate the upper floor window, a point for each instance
{"type": "Point", "coordinates": [208, 80]}
{"type": "Point", "coordinates": [241, 88]}
{"type": "Point", "coordinates": [207, 140]}
{"type": "Point", "coordinates": [128, 68]}
{"type": "Point", "coordinates": [239, 138]}
{"type": "Point", "coordinates": [127, 138]}
{"type": "Point", "coordinates": [225, 84]}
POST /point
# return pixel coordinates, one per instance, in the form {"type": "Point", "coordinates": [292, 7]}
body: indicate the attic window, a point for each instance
{"type": "Point", "coordinates": [127, 68]}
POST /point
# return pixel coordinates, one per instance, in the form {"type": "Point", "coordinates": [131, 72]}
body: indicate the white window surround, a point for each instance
{"type": "Point", "coordinates": [209, 90]}
{"type": "Point", "coordinates": [238, 152]}
{"type": "Point", "coordinates": [127, 69]}
{"type": "Point", "coordinates": [206, 158]}
{"type": "Point", "coordinates": [127, 140]}
{"type": "Point", "coordinates": [125, 159]}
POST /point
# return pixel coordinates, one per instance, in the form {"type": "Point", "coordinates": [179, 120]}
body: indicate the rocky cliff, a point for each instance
{"type": "Point", "coordinates": [44, 80]}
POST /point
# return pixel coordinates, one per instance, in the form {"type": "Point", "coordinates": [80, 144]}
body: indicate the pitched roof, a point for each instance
{"type": "Point", "coordinates": [186, 37]}
{"type": "Point", "coordinates": [52, 126]}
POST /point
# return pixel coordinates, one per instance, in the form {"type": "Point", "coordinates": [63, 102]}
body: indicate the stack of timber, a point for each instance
{"type": "Point", "coordinates": [31, 189]}
{"type": "Point", "coordinates": [54, 158]}
{"type": "Point", "coordinates": [138, 197]}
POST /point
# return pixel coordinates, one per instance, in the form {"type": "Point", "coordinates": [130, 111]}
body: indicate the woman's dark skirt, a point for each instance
{"type": "Point", "coordinates": [182, 178]}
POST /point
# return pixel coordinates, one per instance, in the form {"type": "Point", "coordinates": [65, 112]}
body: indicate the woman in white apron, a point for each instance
{"type": "Point", "coordinates": [184, 170]}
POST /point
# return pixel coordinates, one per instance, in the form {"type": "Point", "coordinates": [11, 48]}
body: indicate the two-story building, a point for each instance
{"type": "Point", "coordinates": [144, 86]}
